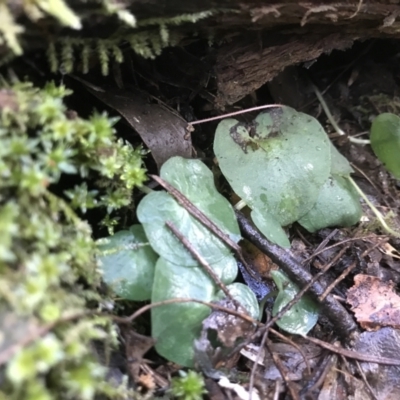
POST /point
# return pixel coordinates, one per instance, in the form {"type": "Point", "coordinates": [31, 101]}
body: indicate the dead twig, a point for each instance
{"type": "Point", "coordinates": [322, 245]}
{"type": "Point", "coordinates": [147, 307]}
{"type": "Point", "coordinates": [232, 114]}
{"type": "Point", "coordinates": [281, 369]}
{"type": "Point", "coordinates": [280, 314]}
{"type": "Point", "coordinates": [337, 280]}
{"type": "Point", "coordinates": [338, 315]}
{"type": "Point", "coordinates": [317, 252]}
{"type": "Point", "coordinates": [203, 219]}
{"type": "Point", "coordinates": [349, 269]}
{"type": "Point", "coordinates": [295, 345]}
{"type": "Point", "coordinates": [317, 381]}
{"type": "Point", "coordinates": [255, 364]}
{"type": "Point", "coordinates": [199, 258]}
{"type": "Point", "coordinates": [353, 354]}
{"type": "Point", "coordinates": [365, 380]}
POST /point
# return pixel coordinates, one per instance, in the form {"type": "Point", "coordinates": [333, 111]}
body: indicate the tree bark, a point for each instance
{"type": "Point", "coordinates": [255, 39]}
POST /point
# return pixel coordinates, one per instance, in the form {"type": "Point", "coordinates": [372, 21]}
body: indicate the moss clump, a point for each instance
{"type": "Point", "coordinates": [47, 255]}
{"type": "Point", "coordinates": [188, 386]}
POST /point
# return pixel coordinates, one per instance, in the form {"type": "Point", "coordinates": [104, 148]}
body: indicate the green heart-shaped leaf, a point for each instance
{"type": "Point", "coordinates": [245, 296]}
{"type": "Point", "coordinates": [278, 164]}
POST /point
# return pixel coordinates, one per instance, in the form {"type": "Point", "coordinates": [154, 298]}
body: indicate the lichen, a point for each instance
{"type": "Point", "coordinates": [48, 272]}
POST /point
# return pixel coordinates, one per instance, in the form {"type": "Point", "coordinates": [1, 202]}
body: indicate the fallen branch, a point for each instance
{"type": "Point", "coordinates": [337, 314]}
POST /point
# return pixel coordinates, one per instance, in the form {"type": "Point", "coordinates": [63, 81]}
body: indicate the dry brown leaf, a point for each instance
{"type": "Point", "coordinates": [163, 131]}
{"type": "Point", "coordinates": [374, 302]}
{"type": "Point", "coordinates": [136, 346]}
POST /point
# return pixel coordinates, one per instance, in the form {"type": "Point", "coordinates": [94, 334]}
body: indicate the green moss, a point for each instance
{"type": "Point", "coordinates": [48, 270]}
{"type": "Point", "coordinates": [189, 386]}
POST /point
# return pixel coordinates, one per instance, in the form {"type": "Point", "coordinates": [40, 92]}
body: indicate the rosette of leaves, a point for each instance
{"type": "Point", "coordinates": [176, 273]}
{"type": "Point", "coordinates": [46, 250]}
{"type": "Point", "coordinates": [285, 168]}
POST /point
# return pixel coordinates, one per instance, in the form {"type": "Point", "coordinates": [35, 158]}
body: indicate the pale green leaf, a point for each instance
{"type": "Point", "coordinates": [276, 164]}
{"type": "Point", "coordinates": [339, 164]}
{"type": "Point", "coordinates": [245, 296]}
{"type": "Point", "coordinates": [127, 262]}
{"type": "Point", "coordinates": [270, 227]}
{"type": "Point", "coordinates": [337, 205]}
{"type": "Point", "coordinates": [175, 326]}
{"type": "Point", "coordinates": [303, 316]}
{"type": "Point", "coordinates": [385, 141]}
{"type": "Point", "coordinates": [196, 181]}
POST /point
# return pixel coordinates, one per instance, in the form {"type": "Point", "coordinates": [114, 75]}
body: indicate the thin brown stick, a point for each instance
{"type": "Point", "coordinates": [337, 280]}
{"type": "Point", "coordinates": [317, 252]}
{"type": "Point", "coordinates": [203, 219]}
{"type": "Point", "coordinates": [380, 243]}
{"type": "Point", "coordinates": [281, 369]}
{"type": "Point", "coordinates": [353, 354]}
{"type": "Point", "coordinates": [348, 270]}
{"type": "Point", "coordinates": [199, 258]}
{"type": "Point", "coordinates": [232, 114]}
{"type": "Point", "coordinates": [357, 9]}
{"type": "Point", "coordinates": [147, 307]}
{"type": "Point", "coordinates": [196, 213]}
{"type": "Point", "coordinates": [366, 177]}
{"type": "Point", "coordinates": [295, 345]}
{"type": "Point", "coordinates": [319, 380]}
{"type": "Point", "coordinates": [255, 364]}
{"type": "Point", "coordinates": [279, 315]}
{"type": "Point", "coordinates": [341, 318]}
{"type": "Point", "coordinates": [365, 380]}
{"type": "Point", "coordinates": [277, 389]}
{"type": "Point", "coordinates": [323, 244]}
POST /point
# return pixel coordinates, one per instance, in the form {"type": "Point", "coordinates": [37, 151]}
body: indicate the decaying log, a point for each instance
{"type": "Point", "coordinates": [254, 40]}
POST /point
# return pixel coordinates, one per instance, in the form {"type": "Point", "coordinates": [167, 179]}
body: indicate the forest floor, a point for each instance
{"type": "Point", "coordinates": [362, 262]}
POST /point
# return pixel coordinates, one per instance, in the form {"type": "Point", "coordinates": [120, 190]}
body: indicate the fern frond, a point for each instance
{"type": "Point", "coordinates": [67, 56]}
{"type": "Point", "coordinates": [52, 57]}
{"type": "Point", "coordinates": [147, 42]}
{"type": "Point", "coordinates": [102, 51]}
{"type": "Point", "coordinates": [85, 57]}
